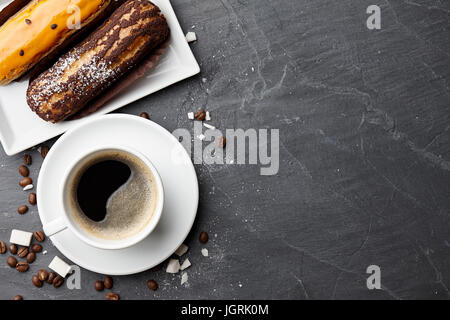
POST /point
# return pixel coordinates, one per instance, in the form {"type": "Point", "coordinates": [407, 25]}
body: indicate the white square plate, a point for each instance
{"type": "Point", "coordinates": [20, 128]}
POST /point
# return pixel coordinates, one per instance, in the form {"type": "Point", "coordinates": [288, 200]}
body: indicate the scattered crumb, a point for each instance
{"type": "Point", "coordinates": [209, 126]}
{"type": "Point", "coordinates": [186, 264]}
{"type": "Point", "coordinates": [191, 36]}
{"type": "Point", "coordinates": [202, 137]}
{"type": "Point", "coordinates": [44, 252]}
{"type": "Point", "coordinates": [205, 252]}
{"type": "Point", "coordinates": [184, 278]}
{"type": "Point", "coordinates": [182, 250]}
{"type": "Point", "coordinates": [173, 266]}
{"type": "Point", "coordinates": [28, 187]}
{"type": "Point", "coordinates": [204, 80]}
{"type": "Point", "coordinates": [191, 116]}
{"type": "Point", "coordinates": [208, 116]}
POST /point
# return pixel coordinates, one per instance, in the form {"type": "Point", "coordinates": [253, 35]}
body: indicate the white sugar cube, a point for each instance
{"type": "Point", "coordinates": [208, 116]}
{"type": "Point", "coordinates": [182, 250]}
{"type": "Point", "coordinates": [191, 36]}
{"type": "Point", "coordinates": [186, 264]}
{"type": "Point", "coordinates": [191, 116]}
{"type": "Point", "coordinates": [59, 266]}
{"type": "Point", "coordinates": [184, 278]}
{"type": "Point", "coordinates": [21, 238]}
{"type": "Point", "coordinates": [202, 137]}
{"type": "Point", "coordinates": [205, 252]}
{"type": "Point", "coordinates": [173, 266]}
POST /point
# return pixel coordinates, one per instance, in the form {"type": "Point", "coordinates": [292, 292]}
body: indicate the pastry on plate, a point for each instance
{"type": "Point", "coordinates": [125, 40]}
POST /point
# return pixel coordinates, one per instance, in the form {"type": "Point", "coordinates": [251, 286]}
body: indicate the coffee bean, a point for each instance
{"type": "Point", "coordinates": [32, 198]}
{"type": "Point", "coordinates": [22, 266]}
{"type": "Point", "coordinates": [13, 248]}
{"type": "Point", "coordinates": [54, 26]}
{"type": "Point", "coordinates": [27, 21]}
{"type": "Point", "coordinates": [112, 296]}
{"type": "Point", "coordinates": [18, 297]}
{"type": "Point", "coordinates": [25, 181]}
{"type": "Point", "coordinates": [36, 248]}
{"type": "Point", "coordinates": [203, 237]}
{"type": "Point", "coordinates": [51, 277]}
{"type": "Point", "coordinates": [145, 115]}
{"type": "Point", "coordinates": [44, 151]}
{"type": "Point", "coordinates": [23, 251]}
{"type": "Point", "coordinates": [11, 261]}
{"type": "Point", "coordinates": [99, 286]}
{"type": "Point", "coordinates": [108, 282]}
{"type": "Point", "coordinates": [58, 281]}
{"type": "Point", "coordinates": [31, 257]}
{"type": "Point", "coordinates": [36, 281]}
{"type": "Point", "coordinates": [2, 247]}
{"type": "Point", "coordinates": [221, 142]}
{"type": "Point", "coordinates": [24, 172]}
{"type": "Point", "coordinates": [200, 115]}
{"type": "Point", "coordinates": [27, 160]}
{"type": "Point", "coordinates": [152, 285]}
{"type": "Point", "coordinates": [157, 268]}
{"type": "Point", "coordinates": [22, 209]}
{"type": "Point", "coordinates": [42, 275]}
{"type": "Point", "coordinates": [39, 236]}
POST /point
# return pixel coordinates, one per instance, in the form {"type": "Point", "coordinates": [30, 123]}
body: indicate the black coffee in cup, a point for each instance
{"type": "Point", "coordinates": [112, 195]}
{"type": "Point", "coordinates": [97, 184]}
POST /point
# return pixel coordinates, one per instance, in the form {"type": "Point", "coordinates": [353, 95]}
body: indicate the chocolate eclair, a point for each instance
{"type": "Point", "coordinates": [34, 30]}
{"type": "Point", "coordinates": [132, 33]}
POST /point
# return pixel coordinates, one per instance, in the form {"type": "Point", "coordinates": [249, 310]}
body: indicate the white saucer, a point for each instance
{"type": "Point", "coordinates": [177, 174]}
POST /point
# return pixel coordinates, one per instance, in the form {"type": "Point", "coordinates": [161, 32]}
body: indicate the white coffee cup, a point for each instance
{"type": "Point", "coordinates": [67, 220]}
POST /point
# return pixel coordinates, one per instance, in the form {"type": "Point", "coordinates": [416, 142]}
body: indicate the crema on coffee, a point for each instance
{"type": "Point", "coordinates": [112, 195]}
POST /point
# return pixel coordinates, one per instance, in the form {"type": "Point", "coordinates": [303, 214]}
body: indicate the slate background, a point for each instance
{"type": "Point", "coordinates": [364, 155]}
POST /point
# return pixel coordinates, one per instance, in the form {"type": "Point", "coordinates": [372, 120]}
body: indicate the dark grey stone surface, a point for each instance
{"type": "Point", "coordinates": [364, 155]}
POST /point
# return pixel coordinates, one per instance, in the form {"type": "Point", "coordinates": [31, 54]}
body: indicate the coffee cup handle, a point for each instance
{"type": "Point", "coordinates": [55, 226]}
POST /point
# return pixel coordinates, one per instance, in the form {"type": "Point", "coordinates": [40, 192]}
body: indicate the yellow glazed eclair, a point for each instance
{"type": "Point", "coordinates": [38, 29]}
